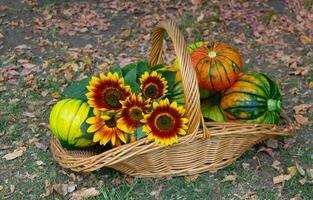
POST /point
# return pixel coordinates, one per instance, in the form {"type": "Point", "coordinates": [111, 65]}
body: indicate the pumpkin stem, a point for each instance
{"type": "Point", "coordinates": [273, 105]}
{"type": "Point", "coordinates": [212, 54]}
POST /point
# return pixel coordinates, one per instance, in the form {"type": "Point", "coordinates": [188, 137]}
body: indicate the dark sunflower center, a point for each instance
{"type": "Point", "coordinates": [111, 123]}
{"type": "Point", "coordinates": [151, 91]}
{"type": "Point", "coordinates": [165, 122]}
{"type": "Point", "coordinates": [136, 113]}
{"type": "Point", "coordinates": [112, 97]}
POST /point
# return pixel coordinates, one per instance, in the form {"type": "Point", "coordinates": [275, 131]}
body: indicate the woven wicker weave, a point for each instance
{"type": "Point", "coordinates": [208, 147]}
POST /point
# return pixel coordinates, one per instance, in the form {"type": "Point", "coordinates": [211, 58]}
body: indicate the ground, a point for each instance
{"type": "Point", "coordinates": [47, 44]}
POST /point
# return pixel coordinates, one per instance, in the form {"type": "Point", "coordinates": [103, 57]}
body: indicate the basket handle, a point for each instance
{"type": "Point", "coordinates": [189, 79]}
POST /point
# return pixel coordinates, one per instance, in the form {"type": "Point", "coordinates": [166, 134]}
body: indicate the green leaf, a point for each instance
{"type": "Point", "coordinates": [131, 80]}
{"type": "Point", "coordinates": [156, 67]}
{"type": "Point", "coordinates": [142, 66]}
{"type": "Point", "coordinates": [128, 68]}
{"type": "Point", "coordinates": [117, 69]}
{"type": "Point", "coordinates": [139, 133]}
{"type": "Point", "coordinates": [170, 78]}
{"type": "Point", "coordinates": [135, 88]}
{"type": "Point", "coordinates": [131, 76]}
{"type": "Point", "coordinates": [77, 90]}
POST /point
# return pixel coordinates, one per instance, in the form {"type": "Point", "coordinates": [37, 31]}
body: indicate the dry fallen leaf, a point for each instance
{"type": "Point", "coordinates": [40, 163]}
{"type": "Point", "coordinates": [302, 108]}
{"type": "Point", "coordinates": [156, 191]}
{"type": "Point", "coordinates": [84, 193]}
{"type": "Point", "coordinates": [288, 142]}
{"type": "Point", "coordinates": [281, 178]}
{"type": "Point", "coordinates": [300, 71]}
{"type": "Point", "coordinates": [196, 2]}
{"type": "Point", "coordinates": [41, 146]}
{"type": "Point", "coordinates": [311, 84]}
{"type": "Point", "coordinates": [231, 178]}
{"type": "Point", "coordinates": [56, 95]}
{"type": "Point", "coordinates": [16, 153]}
{"type": "Point", "coordinates": [125, 34]}
{"type": "Point", "coordinates": [305, 39]}
{"type": "Point", "coordinates": [240, 39]}
{"type": "Point", "coordinates": [276, 165]}
{"type": "Point", "coordinates": [6, 147]}
{"type": "Point", "coordinates": [246, 166]}
{"type": "Point", "coordinates": [64, 189]}
{"type": "Point", "coordinates": [272, 143]}
{"type": "Point", "coordinates": [301, 119]}
{"type": "Point", "coordinates": [1, 188]}
{"type": "Point", "coordinates": [300, 169]}
{"type": "Point", "coordinates": [200, 18]}
{"type": "Point", "coordinates": [303, 181]}
{"type": "Point", "coordinates": [48, 188]}
{"type": "Point", "coordinates": [269, 151]}
{"type": "Point", "coordinates": [292, 170]}
{"type": "Point", "coordinates": [191, 178]}
{"type": "Point", "coordinates": [12, 188]}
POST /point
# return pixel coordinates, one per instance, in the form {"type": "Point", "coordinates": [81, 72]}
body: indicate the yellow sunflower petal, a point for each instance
{"type": "Point", "coordinates": [95, 127]}
{"type": "Point", "coordinates": [89, 94]}
{"type": "Point", "coordinates": [145, 117]}
{"type": "Point", "coordinates": [121, 136]}
{"type": "Point", "coordinates": [174, 104]}
{"type": "Point", "coordinates": [102, 76]}
{"type": "Point", "coordinates": [146, 129]}
{"type": "Point", "coordinates": [97, 136]}
{"type": "Point", "coordinates": [120, 123]}
{"type": "Point", "coordinates": [105, 140]}
{"type": "Point", "coordinates": [94, 81]}
{"type": "Point", "coordinates": [96, 112]}
{"type": "Point", "coordinates": [182, 132]}
{"type": "Point", "coordinates": [140, 99]}
{"type": "Point", "coordinates": [181, 110]}
{"type": "Point", "coordinates": [110, 75]}
{"type": "Point", "coordinates": [167, 101]}
{"type": "Point", "coordinates": [113, 138]}
{"type": "Point", "coordinates": [93, 120]}
{"type": "Point", "coordinates": [155, 104]}
{"type": "Point", "coordinates": [175, 140]}
{"type": "Point", "coordinates": [105, 117]}
{"type": "Point", "coordinates": [184, 120]}
{"type": "Point", "coordinates": [154, 73]}
{"type": "Point", "coordinates": [151, 137]}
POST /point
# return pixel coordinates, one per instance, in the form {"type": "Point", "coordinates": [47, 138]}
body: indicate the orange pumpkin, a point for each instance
{"type": "Point", "coordinates": [217, 65]}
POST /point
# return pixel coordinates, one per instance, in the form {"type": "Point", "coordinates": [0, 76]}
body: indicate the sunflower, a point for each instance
{"type": "Point", "coordinates": [106, 92]}
{"type": "Point", "coordinates": [165, 122]}
{"type": "Point", "coordinates": [153, 85]}
{"type": "Point", "coordinates": [133, 110]}
{"type": "Point", "coordinates": [105, 128]}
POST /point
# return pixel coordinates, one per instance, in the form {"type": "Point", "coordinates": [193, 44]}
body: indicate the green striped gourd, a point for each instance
{"type": "Point", "coordinates": [254, 98]}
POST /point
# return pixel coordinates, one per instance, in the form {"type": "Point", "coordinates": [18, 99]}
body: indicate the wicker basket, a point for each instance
{"type": "Point", "coordinates": [207, 146]}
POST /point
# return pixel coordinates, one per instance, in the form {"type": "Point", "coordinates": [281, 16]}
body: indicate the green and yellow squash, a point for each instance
{"type": "Point", "coordinates": [211, 110]}
{"type": "Point", "coordinates": [66, 120]}
{"type": "Point", "coordinates": [254, 98]}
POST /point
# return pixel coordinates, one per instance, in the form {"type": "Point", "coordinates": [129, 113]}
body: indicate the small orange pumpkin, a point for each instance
{"type": "Point", "coordinates": [217, 65]}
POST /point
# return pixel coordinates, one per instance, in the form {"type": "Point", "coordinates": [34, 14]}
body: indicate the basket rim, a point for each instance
{"type": "Point", "coordinates": [276, 130]}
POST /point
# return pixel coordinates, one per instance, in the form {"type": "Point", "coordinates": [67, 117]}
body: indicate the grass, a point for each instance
{"type": "Point", "coordinates": [308, 4]}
